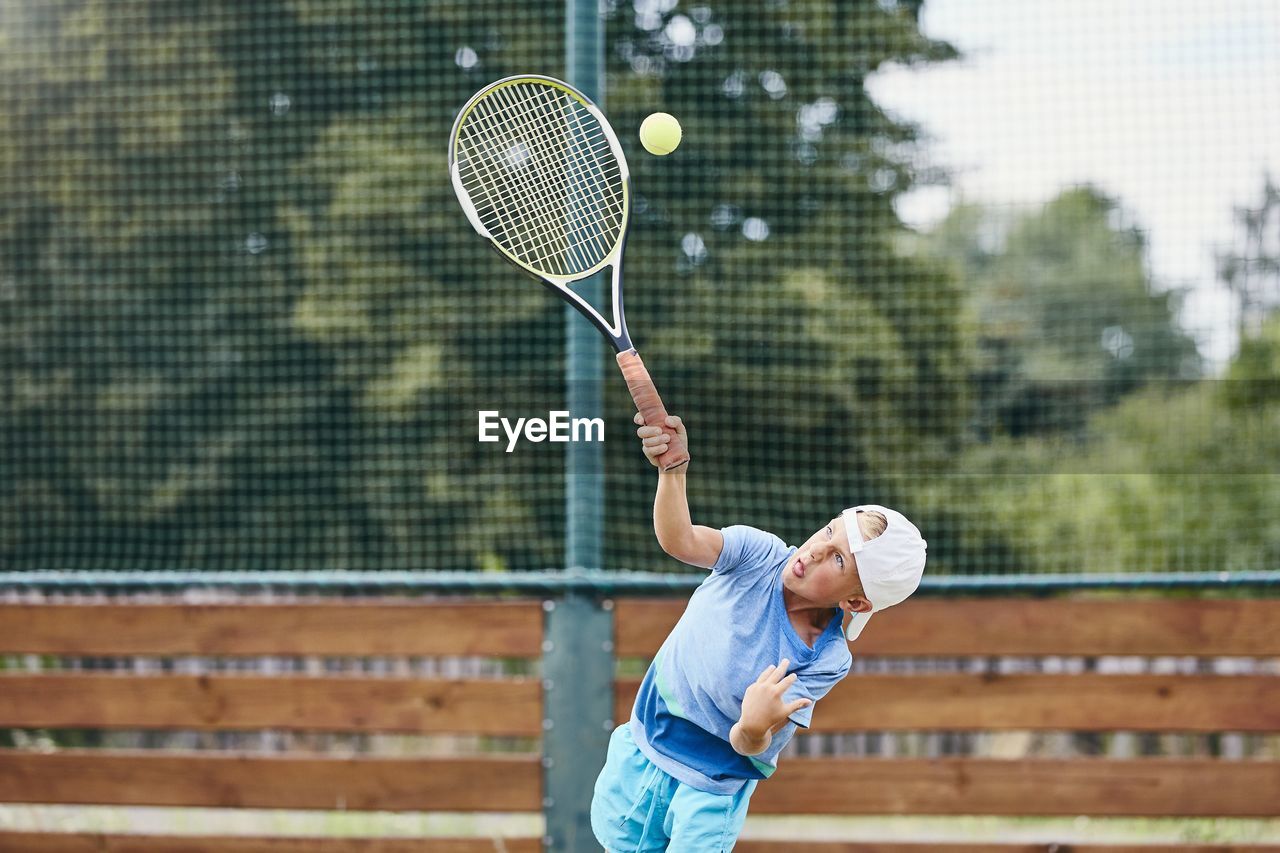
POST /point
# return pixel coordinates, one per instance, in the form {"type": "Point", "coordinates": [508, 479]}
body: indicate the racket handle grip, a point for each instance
{"type": "Point", "coordinates": [649, 404]}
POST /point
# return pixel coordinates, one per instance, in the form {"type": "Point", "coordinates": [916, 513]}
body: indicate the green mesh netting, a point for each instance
{"type": "Point", "coordinates": [245, 324]}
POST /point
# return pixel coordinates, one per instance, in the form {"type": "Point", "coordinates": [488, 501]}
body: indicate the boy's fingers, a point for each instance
{"type": "Point", "coordinates": [764, 676]}
{"type": "Point", "coordinates": [671, 420]}
{"type": "Point", "coordinates": [797, 705]}
{"type": "Point", "coordinates": [780, 687]}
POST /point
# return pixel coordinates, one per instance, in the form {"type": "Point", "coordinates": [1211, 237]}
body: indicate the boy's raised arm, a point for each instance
{"type": "Point", "coordinates": [677, 534]}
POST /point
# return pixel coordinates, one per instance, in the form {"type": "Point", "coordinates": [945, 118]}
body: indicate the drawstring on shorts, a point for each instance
{"type": "Point", "coordinates": [652, 776]}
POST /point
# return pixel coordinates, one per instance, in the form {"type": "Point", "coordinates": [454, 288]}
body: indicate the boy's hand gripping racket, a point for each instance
{"type": "Point", "coordinates": [541, 175]}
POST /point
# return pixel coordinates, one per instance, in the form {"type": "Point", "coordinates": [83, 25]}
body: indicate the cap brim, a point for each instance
{"type": "Point", "coordinates": [856, 625]}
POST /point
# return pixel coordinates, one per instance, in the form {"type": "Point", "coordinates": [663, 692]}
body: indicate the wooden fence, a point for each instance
{"type": "Point", "coordinates": [512, 706]}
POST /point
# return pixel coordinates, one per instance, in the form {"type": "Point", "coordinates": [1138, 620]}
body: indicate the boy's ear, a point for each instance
{"type": "Point", "coordinates": [855, 604]}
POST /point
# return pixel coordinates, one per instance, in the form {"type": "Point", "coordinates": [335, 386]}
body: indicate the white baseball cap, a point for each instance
{"type": "Point", "coordinates": [890, 566]}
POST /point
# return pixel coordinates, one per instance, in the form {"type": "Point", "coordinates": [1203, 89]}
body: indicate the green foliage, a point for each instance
{"type": "Point", "coordinates": [815, 365]}
{"type": "Point", "coordinates": [254, 330]}
{"type": "Point", "coordinates": [1168, 481]}
{"type": "Point", "coordinates": [1253, 381]}
{"type": "Point", "coordinates": [246, 325]}
{"type": "Point", "coordinates": [1092, 458]}
{"type": "Point", "coordinates": [1066, 316]}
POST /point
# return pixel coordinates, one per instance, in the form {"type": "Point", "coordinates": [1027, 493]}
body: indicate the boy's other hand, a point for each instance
{"type": "Point", "coordinates": [763, 710]}
{"type": "Point", "coordinates": [655, 440]}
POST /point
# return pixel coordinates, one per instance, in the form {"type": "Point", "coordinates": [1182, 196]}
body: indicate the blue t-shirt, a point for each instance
{"type": "Point", "coordinates": [734, 627]}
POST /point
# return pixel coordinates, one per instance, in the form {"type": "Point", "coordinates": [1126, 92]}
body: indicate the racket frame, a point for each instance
{"type": "Point", "coordinates": [616, 331]}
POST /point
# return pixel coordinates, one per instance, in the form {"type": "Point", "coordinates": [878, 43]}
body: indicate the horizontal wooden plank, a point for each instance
{"type": "Point", "coordinates": [64, 842]}
{"type": "Point", "coordinates": [955, 627]}
{"type": "Point", "coordinates": [641, 624]}
{"type": "Point", "coordinates": [1150, 787]}
{"type": "Point", "coordinates": [363, 628]}
{"type": "Point", "coordinates": [1086, 702]}
{"type": "Point", "coordinates": [31, 842]}
{"type": "Point", "coordinates": [1147, 703]}
{"type": "Point", "coordinates": [295, 703]}
{"type": "Point", "coordinates": [1155, 787]}
{"type": "Point", "coordinates": [782, 846]}
{"type": "Point", "coordinates": [146, 778]}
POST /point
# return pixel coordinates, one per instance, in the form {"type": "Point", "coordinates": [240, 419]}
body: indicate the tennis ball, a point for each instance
{"type": "Point", "coordinates": [660, 133]}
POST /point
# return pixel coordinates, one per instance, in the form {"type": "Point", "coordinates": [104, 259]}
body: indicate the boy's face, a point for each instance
{"type": "Point", "coordinates": [823, 570]}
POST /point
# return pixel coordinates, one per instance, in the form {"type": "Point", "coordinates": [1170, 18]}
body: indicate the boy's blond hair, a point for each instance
{"type": "Point", "coordinates": [872, 524]}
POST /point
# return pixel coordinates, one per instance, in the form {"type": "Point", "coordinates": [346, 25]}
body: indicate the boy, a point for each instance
{"type": "Point", "coordinates": [708, 723]}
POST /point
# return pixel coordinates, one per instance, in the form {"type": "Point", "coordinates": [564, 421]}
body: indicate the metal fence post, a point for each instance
{"type": "Point", "coordinates": [584, 347]}
{"type": "Point", "coordinates": [577, 696]}
{"type": "Point", "coordinates": [577, 663]}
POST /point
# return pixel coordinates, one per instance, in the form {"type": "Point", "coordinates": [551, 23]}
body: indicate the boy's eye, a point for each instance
{"type": "Point", "coordinates": [829, 534]}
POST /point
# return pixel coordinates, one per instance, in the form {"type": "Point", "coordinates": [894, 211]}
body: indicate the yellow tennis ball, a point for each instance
{"type": "Point", "coordinates": [660, 133]}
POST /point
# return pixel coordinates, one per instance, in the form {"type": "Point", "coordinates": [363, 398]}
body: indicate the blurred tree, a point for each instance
{"type": "Point", "coordinates": [816, 365]}
{"type": "Point", "coordinates": [184, 396]}
{"type": "Point", "coordinates": [251, 329]}
{"type": "Point", "coordinates": [761, 267]}
{"type": "Point", "coordinates": [149, 399]}
{"type": "Point", "coordinates": [1253, 380]}
{"type": "Point", "coordinates": [1251, 270]}
{"type": "Point", "coordinates": [1174, 477]}
{"type": "Point", "coordinates": [425, 325]}
{"type": "Point", "coordinates": [1065, 313]}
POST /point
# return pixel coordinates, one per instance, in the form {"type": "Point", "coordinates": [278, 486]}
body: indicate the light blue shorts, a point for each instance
{"type": "Point", "coordinates": [638, 807]}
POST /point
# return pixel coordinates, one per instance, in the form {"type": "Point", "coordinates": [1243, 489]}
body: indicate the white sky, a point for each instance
{"type": "Point", "coordinates": [1173, 106]}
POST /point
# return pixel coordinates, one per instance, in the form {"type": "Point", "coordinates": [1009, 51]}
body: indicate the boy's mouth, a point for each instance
{"type": "Point", "coordinates": [798, 568]}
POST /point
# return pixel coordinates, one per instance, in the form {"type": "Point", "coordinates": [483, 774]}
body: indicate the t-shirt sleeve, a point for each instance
{"type": "Point", "coordinates": [748, 548]}
{"type": "Point", "coordinates": [812, 684]}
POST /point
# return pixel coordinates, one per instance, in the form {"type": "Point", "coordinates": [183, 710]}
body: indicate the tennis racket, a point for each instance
{"type": "Point", "coordinates": [540, 174]}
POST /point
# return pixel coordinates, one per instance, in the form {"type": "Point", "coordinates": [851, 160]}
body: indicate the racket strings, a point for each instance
{"type": "Point", "coordinates": [598, 223]}
{"type": "Point", "coordinates": [485, 142]}
{"type": "Point", "coordinates": [539, 132]}
{"type": "Point", "coordinates": [549, 181]}
{"type": "Point", "coordinates": [607, 208]}
{"type": "Point", "coordinates": [506, 216]}
{"type": "Point", "coordinates": [536, 243]}
{"type": "Point", "coordinates": [601, 167]}
{"type": "Point", "coordinates": [549, 145]}
{"type": "Point", "coordinates": [520, 193]}
{"type": "Point", "coordinates": [592, 175]}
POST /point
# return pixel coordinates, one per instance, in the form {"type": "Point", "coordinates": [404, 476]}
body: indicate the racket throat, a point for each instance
{"type": "Point", "coordinates": [622, 338]}
{"type": "Point", "coordinates": [616, 331]}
